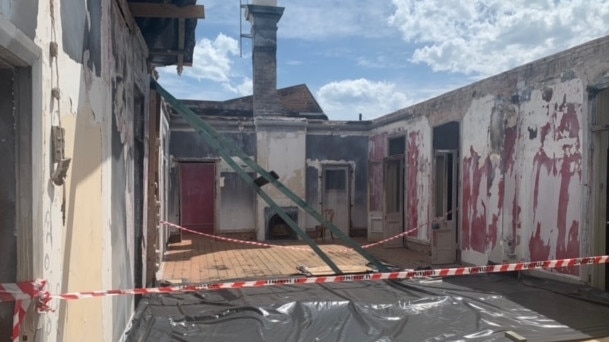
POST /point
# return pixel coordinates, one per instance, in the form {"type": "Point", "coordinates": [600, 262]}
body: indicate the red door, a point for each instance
{"type": "Point", "coordinates": [197, 196]}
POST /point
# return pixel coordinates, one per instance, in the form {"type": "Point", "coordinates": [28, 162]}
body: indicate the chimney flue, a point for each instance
{"type": "Point", "coordinates": [264, 16]}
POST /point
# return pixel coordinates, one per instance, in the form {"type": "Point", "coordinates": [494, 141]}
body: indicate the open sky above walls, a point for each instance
{"type": "Point", "coordinates": [375, 57]}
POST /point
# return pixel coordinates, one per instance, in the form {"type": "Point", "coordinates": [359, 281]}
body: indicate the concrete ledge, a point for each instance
{"type": "Point", "coordinates": [279, 122]}
{"type": "Point", "coordinates": [418, 245]}
{"type": "Point", "coordinates": [17, 48]}
{"type": "Point", "coordinates": [249, 235]}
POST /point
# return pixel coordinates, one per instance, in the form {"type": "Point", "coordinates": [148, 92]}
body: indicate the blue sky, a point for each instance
{"type": "Point", "coordinates": [375, 57]}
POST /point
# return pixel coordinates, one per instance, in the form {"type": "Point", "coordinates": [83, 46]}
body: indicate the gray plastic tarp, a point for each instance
{"type": "Point", "coordinates": [473, 308]}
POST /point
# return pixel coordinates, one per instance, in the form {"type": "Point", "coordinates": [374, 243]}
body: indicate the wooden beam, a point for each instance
{"type": "Point", "coordinates": [126, 13]}
{"type": "Point", "coordinates": [160, 10]}
{"type": "Point", "coordinates": [181, 42]}
{"type": "Point", "coordinates": [167, 52]}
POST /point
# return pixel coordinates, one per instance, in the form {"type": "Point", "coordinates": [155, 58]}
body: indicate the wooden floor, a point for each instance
{"type": "Point", "coordinates": [200, 259]}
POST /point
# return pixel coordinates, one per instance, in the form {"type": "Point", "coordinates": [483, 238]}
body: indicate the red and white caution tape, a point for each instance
{"type": "Point", "coordinates": [21, 307]}
{"type": "Point", "coordinates": [385, 240]}
{"type": "Point", "coordinates": [442, 272]}
{"type": "Point", "coordinates": [403, 233]}
{"type": "Point", "coordinates": [253, 243]}
{"type": "Point", "coordinates": [22, 294]}
{"type": "Point", "coordinates": [261, 244]}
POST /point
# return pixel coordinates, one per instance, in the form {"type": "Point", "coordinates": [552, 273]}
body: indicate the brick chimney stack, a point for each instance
{"type": "Point", "coordinates": [264, 16]}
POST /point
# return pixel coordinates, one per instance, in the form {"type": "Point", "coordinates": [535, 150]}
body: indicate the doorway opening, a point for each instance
{"type": "Point", "coordinates": [336, 185]}
{"type": "Point", "coordinates": [394, 174]}
{"type": "Point", "coordinates": [444, 234]}
{"type": "Point", "coordinates": [8, 192]}
{"type": "Point", "coordinates": [16, 233]}
{"type": "Point", "coordinates": [600, 234]}
{"type": "Point", "coordinates": [138, 190]}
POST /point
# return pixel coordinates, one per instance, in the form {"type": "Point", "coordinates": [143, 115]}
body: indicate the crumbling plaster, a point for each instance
{"type": "Point", "coordinates": [525, 157]}
{"type": "Point", "coordinates": [281, 147]}
{"type": "Point", "coordinates": [74, 223]}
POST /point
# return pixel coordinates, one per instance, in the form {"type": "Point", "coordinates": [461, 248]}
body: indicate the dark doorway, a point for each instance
{"type": "Point", "coordinates": [606, 247]}
{"type": "Point", "coordinates": [138, 188]}
{"type": "Point", "coordinates": [8, 192]}
{"type": "Point", "coordinates": [336, 185]}
{"type": "Point", "coordinates": [394, 171]}
{"type": "Point", "coordinates": [600, 236]}
{"type": "Point", "coordinates": [445, 232]}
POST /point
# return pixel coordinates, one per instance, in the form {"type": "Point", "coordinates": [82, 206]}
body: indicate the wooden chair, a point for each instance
{"type": "Point", "coordinates": [320, 229]}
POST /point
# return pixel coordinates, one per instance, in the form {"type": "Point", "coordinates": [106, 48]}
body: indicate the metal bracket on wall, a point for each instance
{"type": "Point", "coordinates": [61, 169]}
{"type": "Point", "coordinates": [226, 149]}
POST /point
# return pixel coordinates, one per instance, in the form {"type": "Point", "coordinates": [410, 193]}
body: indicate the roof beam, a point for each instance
{"type": "Point", "coordinates": [160, 10]}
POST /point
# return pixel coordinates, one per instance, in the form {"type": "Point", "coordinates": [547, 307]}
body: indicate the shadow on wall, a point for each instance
{"type": "Point", "coordinates": [83, 213]}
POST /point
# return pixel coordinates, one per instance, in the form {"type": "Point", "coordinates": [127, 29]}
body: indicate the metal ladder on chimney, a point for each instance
{"type": "Point", "coordinates": [227, 150]}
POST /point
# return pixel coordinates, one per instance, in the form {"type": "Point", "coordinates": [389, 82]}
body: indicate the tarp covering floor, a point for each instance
{"type": "Point", "coordinates": [471, 308]}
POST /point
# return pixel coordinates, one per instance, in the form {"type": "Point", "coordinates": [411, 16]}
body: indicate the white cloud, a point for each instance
{"type": "Point", "coordinates": [346, 99]}
{"type": "Point", "coordinates": [214, 61]}
{"type": "Point", "coordinates": [489, 36]}
{"type": "Point", "coordinates": [243, 89]}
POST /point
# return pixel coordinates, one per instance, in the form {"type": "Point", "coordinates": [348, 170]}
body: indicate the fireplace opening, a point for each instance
{"type": "Point", "coordinates": [277, 228]}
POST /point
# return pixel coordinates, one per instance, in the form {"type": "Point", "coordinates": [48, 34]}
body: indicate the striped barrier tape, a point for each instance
{"type": "Point", "coordinates": [401, 275]}
{"type": "Point", "coordinates": [403, 233]}
{"type": "Point", "coordinates": [21, 307]}
{"type": "Point", "coordinates": [22, 294]}
{"type": "Point", "coordinates": [370, 245]}
{"type": "Point", "coordinates": [261, 244]}
{"type": "Point", "coordinates": [217, 237]}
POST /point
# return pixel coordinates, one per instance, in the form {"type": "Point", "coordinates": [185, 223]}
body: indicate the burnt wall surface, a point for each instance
{"type": "Point", "coordinates": [340, 148]}
{"type": "Point", "coordinates": [129, 84]}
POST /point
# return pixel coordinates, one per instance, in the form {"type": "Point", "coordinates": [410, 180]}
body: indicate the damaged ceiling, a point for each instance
{"type": "Point", "coordinates": [168, 26]}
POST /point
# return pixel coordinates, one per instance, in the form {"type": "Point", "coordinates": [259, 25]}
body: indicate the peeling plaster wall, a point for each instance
{"type": "Point", "coordinates": [488, 142]}
{"type": "Point", "coordinates": [522, 181]}
{"type": "Point", "coordinates": [281, 147]}
{"type": "Point", "coordinates": [524, 157]}
{"type": "Point", "coordinates": [533, 142]}
{"type": "Point", "coordinates": [85, 228]}
{"type": "Point", "coordinates": [555, 175]}
{"type": "Point", "coordinates": [418, 179]}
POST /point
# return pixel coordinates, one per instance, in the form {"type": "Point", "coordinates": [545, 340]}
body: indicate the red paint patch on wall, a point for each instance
{"type": "Point", "coordinates": [477, 235]}
{"type": "Point", "coordinates": [378, 147]}
{"type": "Point", "coordinates": [562, 169]}
{"type": "Point", "coordinates": [539, 249]}
{"type": "Point", "coordinates": [412, 208]}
